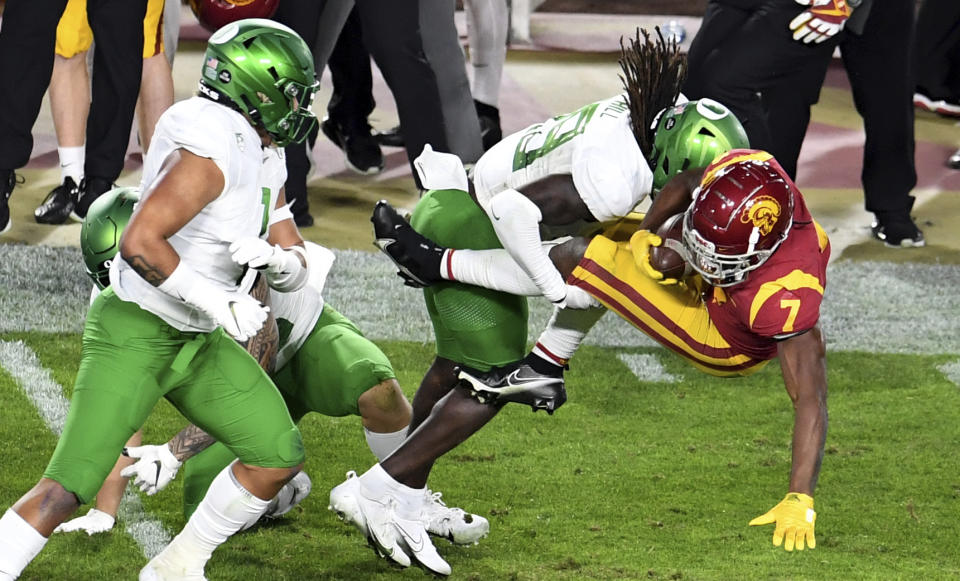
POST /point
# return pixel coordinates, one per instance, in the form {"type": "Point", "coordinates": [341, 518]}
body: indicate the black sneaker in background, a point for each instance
{"type": "Point", "coordinates": [897, 231]}
{"type": "Point", "coordinates": [8, 180]}
{"type": "Point", "coordinates": [91, 188]}
{"type": "Point", "coordinates": [358, 144]}
{"type": "Point", "coordinates": [489, 117]}
{"type": "Point", "coordinates": [58, 204]}
{"type": "Point", "coordinates": [392, 137]}
{"type": "Point", "coordinates": [954, 160]}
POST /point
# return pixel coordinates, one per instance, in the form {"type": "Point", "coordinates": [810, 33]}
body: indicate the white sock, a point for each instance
{"type": "Point", "coordinates": [71, 163]}
{"type": "Point", "coordinates": [382, 444]}
{"type": "Point", "coordinates": [225, 508]}
{"type": "Point", "coordinates": [493, 269]}
{"type": "Point", "coordinates": [378, 483]}
{"type": "Point", "coordinates": [19, 544]}
{"type": "Point", "coordinates": [564, 333]}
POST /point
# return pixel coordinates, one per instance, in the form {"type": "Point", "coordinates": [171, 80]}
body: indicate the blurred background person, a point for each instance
{"type": "Point", "coordinates": [766, 60]}
{"type": "Point", "coordinates": [937, 57]}
{"type": "Point", "coordinates": [70, 101]}
{"type": "Point", "coordinates": [487, 28]}
{"type": "Point", "coordinates": [27, 44]}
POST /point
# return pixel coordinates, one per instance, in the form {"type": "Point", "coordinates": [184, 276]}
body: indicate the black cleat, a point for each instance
{"type": "Point", "coordinates": [954, 160]}
{"type": "Point", "coordinates": [898, 231]}
{"type": "Point", "coordinates": [58, 204]}
{"type": "Point", "coordinates": [518, 384]}
{"type": "Point", "coordinates": [489, 117]}
{"type": "Point", "coordinates": [91, 188]}
{"type": "Point", "coordinates": [417, 257]}
{"type": "Point", "coordinates": [358, 144]}
{"type": "Point", "coordinates": [8, 180]}
{"type": "Point", "coordinates": [392, 137]}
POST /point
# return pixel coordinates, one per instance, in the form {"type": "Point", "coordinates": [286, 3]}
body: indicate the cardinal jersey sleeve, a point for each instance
{"type": "Point", "coordinates": [786, 306]}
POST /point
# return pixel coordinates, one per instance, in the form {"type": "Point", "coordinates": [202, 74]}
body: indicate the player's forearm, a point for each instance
{"type": "Point", "coordinates": [674, 198]}
{"type": "Point", "coordinates": [189, 442]}
{"type": "Point", "coordinates": [803, 363]}
{"type": "Point", "coordinates": [516, 221]}
{"type": "Point", "coordinates": [809, 436]}
{"type": "Point", "coordinates": [151, 257]}
{"type": "Point", "coordinates": [111, 491]}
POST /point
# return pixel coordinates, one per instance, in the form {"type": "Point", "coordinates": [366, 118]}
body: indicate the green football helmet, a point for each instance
{"type": "Point", "coordinates": [264, 70]}
{"type": "Point", "coordinates": [692, 135]}
{"type": "Point", "coordinates": [100, 233]}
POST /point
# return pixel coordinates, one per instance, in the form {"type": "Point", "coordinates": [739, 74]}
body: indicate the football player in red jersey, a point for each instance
{"type": "Point", "coordinates": [760, 262]}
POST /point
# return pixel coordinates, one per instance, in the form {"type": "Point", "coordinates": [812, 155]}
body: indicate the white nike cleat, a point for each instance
{"type": "Point", "coordinates": [290, 495]}
{"type": "Point", "coordinates": [453, 524]}
{"type": "Point", "coordinates": [371, 517]}
{"type": "Point", "coordinates": [414, 538]}
{"type": "Point", "coordinates": [160, 569]}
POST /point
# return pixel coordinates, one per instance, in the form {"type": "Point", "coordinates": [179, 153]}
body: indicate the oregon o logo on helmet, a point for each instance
{"type": "Point", "coordinates": [763, 214]}
{"type": "Point", "coordinates": [711, 109]}
{"type": "Point", "coordinates": [224, 34]}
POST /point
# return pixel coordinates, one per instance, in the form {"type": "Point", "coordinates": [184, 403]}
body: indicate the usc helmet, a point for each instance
{"type": "Point", "coordinates": [739, 216]}
{"type": "Point", "coordinates": [264, 70]}
{"type": "Point", "coordinates": [214, 14]}
{"type": "Point", "coordinates": [690, 135]}
{"type": "Point", "coordinates": [100, 233]}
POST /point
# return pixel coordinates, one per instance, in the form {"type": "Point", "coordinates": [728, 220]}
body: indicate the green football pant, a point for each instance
{"type": "Point", "coordinates": [327, 375]}
{"type": "Point", "coordinates": [131, 359]}
{"type": "Point", "coordinates": [474, 326]}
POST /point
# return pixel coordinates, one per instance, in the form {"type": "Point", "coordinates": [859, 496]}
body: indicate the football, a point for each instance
{"type": "Point", "coordinates": [666, 259]}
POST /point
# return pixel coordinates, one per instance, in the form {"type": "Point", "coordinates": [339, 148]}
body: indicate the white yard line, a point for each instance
{"type": "Point", "coordinates": [47, 396]}
{"type": "Point", "coordinates": [647, 367]}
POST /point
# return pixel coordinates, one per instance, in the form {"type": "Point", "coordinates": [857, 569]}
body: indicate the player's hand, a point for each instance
{"type": "Point", "coordinates": [821, 21]}
{"type": "Point", "coordinates": [155, 468]}
{"type": "Point", "coordinates": [640, 244]}
{"type": "Point", "coordinates": [794, 518]}
{"type": "Point", "coordinates": [258, 253]}
{"type": "Point", "coordinates": [577, 298]}
{"type": "Point", "coordinates": [241, 316]}
{"type": "Point", "coordinates": [95, 521]}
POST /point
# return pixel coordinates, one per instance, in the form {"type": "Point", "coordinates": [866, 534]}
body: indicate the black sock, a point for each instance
{"type": "Point", "coordinates": [542, 366]}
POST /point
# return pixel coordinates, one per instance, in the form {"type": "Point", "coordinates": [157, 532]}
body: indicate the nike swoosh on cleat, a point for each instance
{"type": "Point", "coordinates": [416, 545]}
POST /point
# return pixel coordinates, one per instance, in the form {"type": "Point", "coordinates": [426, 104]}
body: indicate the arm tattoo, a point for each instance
{"type": "Point", "coordinates": [190, 441]}
{"type": "Point", "coordinates": [146, 270]}
{"type": "Point", "coordinates": [264, 345]}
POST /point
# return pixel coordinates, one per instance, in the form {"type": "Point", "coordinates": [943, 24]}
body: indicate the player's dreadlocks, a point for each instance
{"type": "Point", "coordinates": [653, 71]}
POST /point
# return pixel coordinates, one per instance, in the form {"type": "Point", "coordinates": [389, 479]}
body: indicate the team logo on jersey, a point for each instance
{"type": "Point", "coordinates": [240, 144]}
{"type": "Point", "coordinates": [763, 213]}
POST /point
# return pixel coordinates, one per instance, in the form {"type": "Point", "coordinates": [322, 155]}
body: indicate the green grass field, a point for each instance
{"type": "Point", "coordinates": [629, 480]}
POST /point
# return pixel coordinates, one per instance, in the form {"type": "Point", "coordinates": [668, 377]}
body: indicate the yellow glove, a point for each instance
{"type": "Point", "coordinates": [794, 517]}
{"type": "Point", "coordinates": [640, 244]}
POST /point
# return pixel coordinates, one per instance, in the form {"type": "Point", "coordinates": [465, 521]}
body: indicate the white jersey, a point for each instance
{"type": "Point", "coordinates": [297, 312]}
{"type": "Point", "coordinates": [250, 174]}
{"type": "Point", "coordinates": [594, 145]}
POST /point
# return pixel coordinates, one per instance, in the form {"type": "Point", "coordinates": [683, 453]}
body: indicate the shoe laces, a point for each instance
{"type": "Point", "coordinates": [437, 511]}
